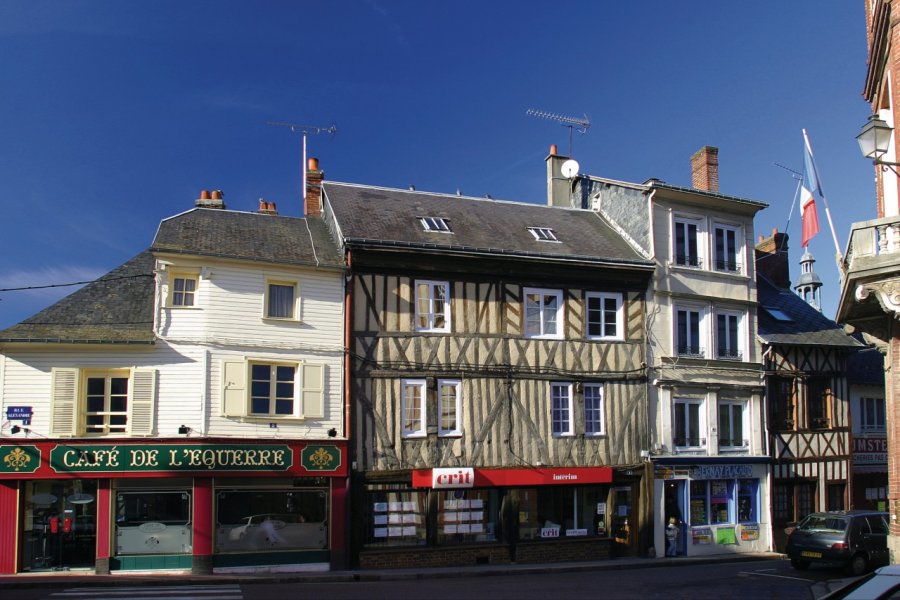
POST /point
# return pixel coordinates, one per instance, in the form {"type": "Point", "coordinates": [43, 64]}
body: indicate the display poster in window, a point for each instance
{"type": "Point", "coordinates": [725, 536]}
{"type": "Point", "coordinates": [749, 533]}
{"type": "Point", "coordinates": [701, 536]}
{"type": "Point", "coordinates": [550, 532]}
{"type": "Point", "coordinates": [718, 491]}
{"type": "Point", "coordinates": [698, 511]}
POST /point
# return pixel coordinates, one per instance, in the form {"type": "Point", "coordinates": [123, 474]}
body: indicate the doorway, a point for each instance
{"type": "Point", "coordinates": [60, 525]}
{"type": "Point", "coordinates": [674, 508]}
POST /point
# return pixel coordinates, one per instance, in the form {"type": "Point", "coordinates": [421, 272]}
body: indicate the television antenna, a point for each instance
{"type": "Point", "coordinates": [581, 125]}
{"type": "Point", "coordinates": [306, 130]}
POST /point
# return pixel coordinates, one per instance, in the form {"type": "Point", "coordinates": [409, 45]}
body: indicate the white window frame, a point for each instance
{"type": "Point", "coordinates": [435, 224]}
{"type": "Point", "coordinates": [542, 293]}
{"type": "Point", "coordinates": [417, 424]}
{"type": "Point", "coordinates": [455, 404]}
{"type": "Point", "coordinates": [727, 406]}
{"type": "Point", "coordinates": [721, 264]}
{"type": "Point", "coordinates": [68, 401]}
{"type": "Point", "coordinates": [237, 389]}
{"type": "Point", "coordinates": [295, 307]}
{"type": "Point", "coordinates": [702, 337]}
{"type": "Point", "coordinates": [701, 424]}
{"type": "Point", "coordinates": [738, 346]}
{"type": "Point", "coordinates": [184, 276]}
{"type": "Point", "coordinates": [867, 420]}
{"type": "Point", "coordinates": [430, 313]}
{"type": "Point", "coordinates": [562, 418]}
{"type": "Point", "coordinates": [602, 298]}
{"type": "Point", "coordinates": [690, 262]}
{"type": "Point", "coordinates": [544, 234]}
{"type": "Point", "coordinates": [272, 366]}
{"type": "Point", "coordinates": [589, 390]}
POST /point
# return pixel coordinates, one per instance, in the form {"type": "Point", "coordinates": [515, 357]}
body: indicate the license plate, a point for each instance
{"type": "Point", "coordinates": [808, 554]}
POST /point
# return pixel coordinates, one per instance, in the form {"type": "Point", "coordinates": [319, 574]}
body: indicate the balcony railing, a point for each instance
{"type": "Point", "coordinates": [691, 351]}
{"type": "Point", "coordinates": [728, 354]}
{"type": "Point", "coordinates": [873, 245]}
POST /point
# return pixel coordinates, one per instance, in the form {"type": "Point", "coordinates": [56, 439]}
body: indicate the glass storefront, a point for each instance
{"type": "Point", "coordinates": [60, 527]}
{"type": "Point", "coordinates": [153, 520]}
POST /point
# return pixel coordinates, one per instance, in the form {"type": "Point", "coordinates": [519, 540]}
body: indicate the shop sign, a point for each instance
{"type": "Point", "coordinates": [170, 457]}
{"type": "Point", "coordinates": [870, 451]}
{"type": "Point", "coordinates": [19, 413]}
{"type": "Point", "coordinates": [749, 533]}
{"type": "Point", "coordinates": [320, 458]}
{"type": "Point", "coordinates": [701, 535]}
{"type": "Point", "coordinates": [445, 479]}
{"type": "Point", "coordinates": [722, 472]}
{"type": "Point", "coordinates": [19, 459]}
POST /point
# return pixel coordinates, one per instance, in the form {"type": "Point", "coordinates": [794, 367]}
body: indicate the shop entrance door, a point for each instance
{"type": "Point", "coordinates": [674, 507]}
{"type": "Point", "coordinates": [60, 523]}
{"type": "Point", "coordinates": [622, 527]}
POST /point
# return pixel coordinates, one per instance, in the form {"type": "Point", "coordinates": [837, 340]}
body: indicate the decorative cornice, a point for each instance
{"type": "Point", "coordinates": [887, 292]}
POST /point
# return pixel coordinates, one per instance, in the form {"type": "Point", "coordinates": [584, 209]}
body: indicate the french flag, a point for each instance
{"type": "Point", "coordinates": [810, 191]}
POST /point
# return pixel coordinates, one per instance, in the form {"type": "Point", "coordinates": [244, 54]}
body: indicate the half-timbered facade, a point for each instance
{"type": "Point", "coordinates": [184, 411]}
{"type": "Point", "coordinates": [806, 360]}
{"type": "Point", "coordinates": [498, 386]}
{"type": "Point", "coordinates": [707, 441]}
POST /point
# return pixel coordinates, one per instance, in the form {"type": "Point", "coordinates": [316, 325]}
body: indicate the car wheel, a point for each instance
{"type": "Point", "coordinates": [858, 565]}
{"type": "Point", "coordinates": [800, 565]}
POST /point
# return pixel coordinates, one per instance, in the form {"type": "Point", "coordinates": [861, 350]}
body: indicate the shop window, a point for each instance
{"type": "Point", "coordinates": [836, 494]}
{"type": "Point", "coordinates": [699, 503]}
{"type": "Point", "coordinates": [783, 502]}
{"type": "Point", "coordinates": [720, 500]}
{"type": "Point", "coordinates": [781, 393]}
{"type": "Point", "coordinates": [102, 402]}
{"type": "Point", "coordinates": [689, 423]}
{"type": "Point", "coordinates": [748, 501]}
{"type": "Point", "coordinates": [818, 402]}
{"type": "Point", "coordinates": [553, 511]}
{"type": "Point", "coordinates": [276, 390]}
{"type": "Point", "coordinates": [433, 306]}
{"type": "Point", "coordinates": [543, 313]}
{"type": "Point", "coordinates": [266, 519]}
{"type": "Point", "coordinates": [395, 516]}
{"type": "Point", "coordinates": [467, 516]}
{"type": "Point", "coordinates": [561, 409]}
{"type": "Point", "coordinates": [153, 522]}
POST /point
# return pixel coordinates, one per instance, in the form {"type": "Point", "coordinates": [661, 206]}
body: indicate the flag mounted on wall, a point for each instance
{"type": "Point", "coordinates": [811, 191]}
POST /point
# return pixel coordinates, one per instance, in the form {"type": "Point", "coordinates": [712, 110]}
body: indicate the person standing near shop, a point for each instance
{"type": "Point", "coordinates": [672, 537]}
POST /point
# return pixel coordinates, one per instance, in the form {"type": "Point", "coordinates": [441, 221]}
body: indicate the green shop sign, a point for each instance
{"type": "Point", "coordinates": [19, 459]}
{"type": "Point", "coordinates": [320, 458]}
{"type": "Point", "coordinates": [170, 457]}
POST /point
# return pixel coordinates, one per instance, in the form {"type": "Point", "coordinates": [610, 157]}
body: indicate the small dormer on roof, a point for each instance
{"type": "Point", "coordinates": [809, 284]}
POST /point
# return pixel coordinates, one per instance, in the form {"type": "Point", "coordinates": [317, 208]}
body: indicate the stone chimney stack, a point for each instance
{"type": "Point", "coordinates": [558, 187]}
{"type": "Point", "coordinates": [312, 203]}
{"type": "Point", "coordinates": [705, 169]}
{"type": "Point", "coordinates": [772, 259]}
{"type": "Point", "coordinates": [207, 199]}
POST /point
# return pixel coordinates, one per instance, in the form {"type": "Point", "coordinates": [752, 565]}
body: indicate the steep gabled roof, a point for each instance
{"type": "Point", "coordinates": [248, 236]}
{"type": "Point", "coordinates": [117, 308]}
{"type": "Point", "coordinates": [383, 217]}
{"type": "Point", "coordinates": [785, 318]}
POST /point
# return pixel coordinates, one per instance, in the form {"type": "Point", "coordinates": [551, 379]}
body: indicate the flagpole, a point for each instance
{"type": "Point", "coordinates": [837, 246]}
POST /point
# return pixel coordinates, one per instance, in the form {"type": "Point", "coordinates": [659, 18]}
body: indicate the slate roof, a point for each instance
{"type": "Point", "coordinates": [806, 326]}
{"type": "Point", "coordinates": [384, 217]}
{"type": "Point", "coordinates": [248, 236]}
{"type": "Point", "coordinates": [116, 308]}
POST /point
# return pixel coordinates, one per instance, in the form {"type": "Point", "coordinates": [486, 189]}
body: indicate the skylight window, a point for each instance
{"type": "Point", "coordinates": [435, 224]}
{"type": "Point", "coordinates": [777, 314]}
{"type": "Point", "coordinates": [543, 234]}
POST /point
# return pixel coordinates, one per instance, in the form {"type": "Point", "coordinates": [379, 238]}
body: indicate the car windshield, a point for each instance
{"type": "Point", "coordinates": [823, 523]}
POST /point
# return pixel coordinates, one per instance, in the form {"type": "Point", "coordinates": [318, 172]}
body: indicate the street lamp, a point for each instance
{"type": "Point", "coordinates": [874, 141]}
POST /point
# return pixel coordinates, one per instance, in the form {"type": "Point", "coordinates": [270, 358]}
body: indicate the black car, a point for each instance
{"type": "Point", "coordinates": [854, 539]}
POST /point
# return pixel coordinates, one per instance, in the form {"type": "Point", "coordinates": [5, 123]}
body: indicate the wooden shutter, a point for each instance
{"type": "Point", "coordinates": [313, 391]}
{"type": "Point", "coordinates": [141, 402]}
{"type": "Point", "coordinates": [234, 388]}
{"type": "Point", "coordinates": [64, 417]}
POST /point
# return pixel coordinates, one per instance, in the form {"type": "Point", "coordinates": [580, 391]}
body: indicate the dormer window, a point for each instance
{"type": "Point", "coordinates": [435, 224]}
{"type": "Point", "coordinates": [543, 234]}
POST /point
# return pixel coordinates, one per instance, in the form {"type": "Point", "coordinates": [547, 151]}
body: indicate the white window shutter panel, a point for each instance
{"type": "Point", "coordinates": [313, 393]}
{"type": "Point", "coordinates": [234, 388]}
{"type": "Point", "coordinates": [142, 403]}
{"type": "Point", "coordinates": [64, 415]}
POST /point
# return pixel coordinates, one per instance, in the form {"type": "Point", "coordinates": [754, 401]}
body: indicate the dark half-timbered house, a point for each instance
{"type": "Point", "coordinates": [497, 379]}
{"type": "Point", "coordinates": [805, 360]}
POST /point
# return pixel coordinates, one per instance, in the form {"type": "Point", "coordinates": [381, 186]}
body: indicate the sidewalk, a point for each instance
{"type": "Point", "coordinates": [85, 579]}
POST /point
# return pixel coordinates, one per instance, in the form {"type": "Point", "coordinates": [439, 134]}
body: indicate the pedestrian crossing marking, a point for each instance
{"type": "Point", "coordinates": [155, 592]}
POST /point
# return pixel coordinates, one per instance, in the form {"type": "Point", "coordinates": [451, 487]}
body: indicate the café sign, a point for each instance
{"type": "Point", "coordinates": [171, 457]}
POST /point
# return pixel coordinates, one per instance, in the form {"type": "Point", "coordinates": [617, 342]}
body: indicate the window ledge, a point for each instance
{"type": "Point", "coordinates": [414, 436]}
{"type": "Point", "coordinates": [450, 434]}
{"type": "Point", "coordinates": [281, 320]}
{"type": "Point", "coordinates": [184, 307]}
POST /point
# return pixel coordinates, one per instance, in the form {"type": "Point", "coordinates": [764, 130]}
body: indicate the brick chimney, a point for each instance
{"type": "Point", "coordinates": [312, 203]}
{"type": "Point", "coordinates": [207, 199]}
{"type": "Point", "coordinates": [772, 259]}
{"type": "Point", "coordinates": [267, 208]}
{"type": "Point", "coordinates": [705, 169]}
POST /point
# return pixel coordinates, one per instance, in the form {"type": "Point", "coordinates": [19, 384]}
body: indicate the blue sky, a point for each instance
{"type": "Point", "coordinates": [115, 114]}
